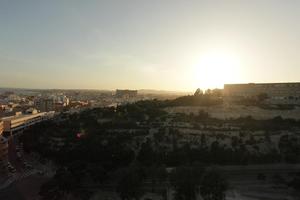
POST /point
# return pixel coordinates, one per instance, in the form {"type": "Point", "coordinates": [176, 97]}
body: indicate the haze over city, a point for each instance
{"type": "Point", "coordinates": [149, 100]}
{"type": "Point", "coordinates": [165, 45]}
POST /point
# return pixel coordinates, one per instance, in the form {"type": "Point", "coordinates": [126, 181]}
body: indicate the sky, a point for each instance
{"type": "Point", "coordinates": [177, 45]}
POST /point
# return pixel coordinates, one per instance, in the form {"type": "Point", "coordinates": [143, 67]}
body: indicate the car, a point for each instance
{"type": "Point", "coordinates": [10, 175]}
{"type": "Point", "coordinates": [8, 165]}
{"type": "Point", "coordinates": [19, 156]}
{"type": "Point", "coordinates": [28, 166]}
{"type": "Point", "coordinates": [41, 173]}
{"type": "Point", "coordinates": [11, 169]}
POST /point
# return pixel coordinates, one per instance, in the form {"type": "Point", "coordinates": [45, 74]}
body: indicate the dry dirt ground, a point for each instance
{"type": "Point", "coordinates": [235, 111]}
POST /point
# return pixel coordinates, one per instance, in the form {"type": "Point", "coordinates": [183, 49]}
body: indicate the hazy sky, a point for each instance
{"type": "Point", "coordinates": [157, 44]}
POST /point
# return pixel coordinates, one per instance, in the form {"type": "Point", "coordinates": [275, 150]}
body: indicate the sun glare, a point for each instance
{"type": "Point", "coordinates": [214, 69]}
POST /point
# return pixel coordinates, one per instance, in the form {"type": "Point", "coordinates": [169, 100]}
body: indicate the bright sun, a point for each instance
{"type": "Point", "coordinates": [214, 69]}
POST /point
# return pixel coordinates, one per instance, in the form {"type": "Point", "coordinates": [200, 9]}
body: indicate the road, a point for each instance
{"type": "Point", "coordinates": [11, 193]}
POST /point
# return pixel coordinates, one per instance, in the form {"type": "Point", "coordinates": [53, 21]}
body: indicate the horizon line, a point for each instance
{"type": "Point", "coordinates": [108, 90]}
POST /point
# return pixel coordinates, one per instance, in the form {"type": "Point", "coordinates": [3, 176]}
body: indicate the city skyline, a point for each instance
{"type": "Point", "coordinates": [161, 45]}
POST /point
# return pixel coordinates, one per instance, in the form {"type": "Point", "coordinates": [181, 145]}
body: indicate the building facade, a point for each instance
{"type": "Point", "coordinates": [20, 122]}
{"type": "Point", "coordinates": [277, 93]}
{"type": "Point", "coordinates": [3, 150]}
{"type": "Point", "coordinates": [126, 93]}
{"type": "Point", "coordinates": [1, 127]}
{"type": "Point", "coordinates": [45, 104]}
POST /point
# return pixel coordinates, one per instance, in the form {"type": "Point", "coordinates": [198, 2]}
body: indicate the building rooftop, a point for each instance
{"type": "Point", "coordinates": [23, 116]}
{"type": "Point", "coordinates": [277, 83]}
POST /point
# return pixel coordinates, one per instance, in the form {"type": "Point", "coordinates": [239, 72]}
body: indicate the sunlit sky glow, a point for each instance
{"type": "Point", "coordinates": [141, 44]}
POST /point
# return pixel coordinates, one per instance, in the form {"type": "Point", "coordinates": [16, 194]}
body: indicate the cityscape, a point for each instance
{"type": "Point", "coordinates": [149, 100]}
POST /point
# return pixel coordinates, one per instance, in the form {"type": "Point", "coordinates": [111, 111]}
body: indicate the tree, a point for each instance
{"type": "Point", "coordinates": [198, 92]}
{"type": "Point", "coordinates": [62, 184]}
{"type": "Point", "coordinates": [186, 180]}
{"type": "Point", "coordinates": [146, 155]}
{"type": "Point", "coordinates": [157, 174]}
{"type": "Point", "coordinates": [129, 186]}
{"type": "Point", "coordinates": [50, 191]}
{"type": "Point", "coordinates": [217, 93]}
{"type": "Point", "coordinates": [289, 148]}
{"type": "Point", "coordinates": [261, 177]}
{"type": "Point", "coordinates": [295, 183]}
{"type": "Point", "coordinates": [97, 172]}
{"type": "Point", "coordinates": [203, 141]}
{"type": "Point", "coordinates": [262, 96]}
{"type": "Point", "coordinates": [213, 186]}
